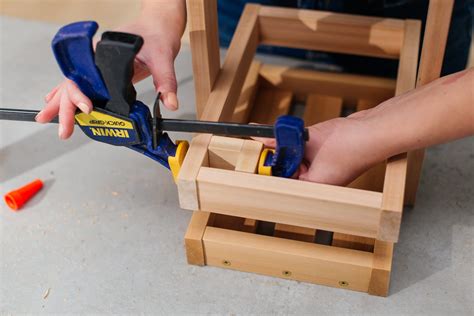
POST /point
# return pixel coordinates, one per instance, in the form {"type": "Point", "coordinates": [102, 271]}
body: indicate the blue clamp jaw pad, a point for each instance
{"type": "Point", "coordinates": [289, 151]}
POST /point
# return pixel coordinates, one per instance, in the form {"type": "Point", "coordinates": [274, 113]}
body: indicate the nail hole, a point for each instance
{"type": "Point", "coordinates": [286, 273]}
{"type": "Point", "coordinates": [226, 262]}
{"type": "Point", "coordinates": [343, 283]}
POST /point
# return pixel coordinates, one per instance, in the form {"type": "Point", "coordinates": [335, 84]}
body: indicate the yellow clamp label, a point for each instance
{"type": "Point", "coordinates": [98, 119]}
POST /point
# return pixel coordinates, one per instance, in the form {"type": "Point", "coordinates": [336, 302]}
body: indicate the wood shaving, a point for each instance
{"type": "Point", "coordinates": [46, 293]}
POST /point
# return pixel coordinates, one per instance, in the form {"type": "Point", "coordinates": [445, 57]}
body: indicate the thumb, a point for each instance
{"type": "Point", "coordinates": [164, 79]}
{"type": "Point", "coordinates": [268, 142]}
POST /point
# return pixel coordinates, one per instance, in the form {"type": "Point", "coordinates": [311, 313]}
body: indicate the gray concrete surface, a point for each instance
{"type": "Point", "coordinates": [106, 234]}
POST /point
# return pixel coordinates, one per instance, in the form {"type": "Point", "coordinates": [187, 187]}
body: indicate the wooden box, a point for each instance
{"type": "Point", "coordinates": [331, 235]}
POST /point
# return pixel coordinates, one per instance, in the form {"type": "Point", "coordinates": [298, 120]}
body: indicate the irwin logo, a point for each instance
{"type": "Point", "coordinates": [111, 132]}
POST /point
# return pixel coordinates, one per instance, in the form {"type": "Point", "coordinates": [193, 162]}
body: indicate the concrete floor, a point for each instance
{"type": "Point", "coordinates": [106, 234]}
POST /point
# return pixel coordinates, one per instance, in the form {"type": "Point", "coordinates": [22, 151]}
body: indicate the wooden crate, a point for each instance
{"type": "Point", "coordinates": [232, 205]}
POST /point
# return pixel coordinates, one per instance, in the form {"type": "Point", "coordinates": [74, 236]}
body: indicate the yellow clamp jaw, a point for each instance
{"type": "Point", "coordinates": [262, 169]}
{"type": "Point", "coordinates": [176, 161]}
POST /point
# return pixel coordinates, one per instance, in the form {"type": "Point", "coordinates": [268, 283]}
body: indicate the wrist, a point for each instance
{"type": "Point", "coordinates": [378, 135]}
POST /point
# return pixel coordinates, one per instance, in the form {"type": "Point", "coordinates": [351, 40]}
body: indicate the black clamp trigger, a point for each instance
{"type": "Point", "coordinates": [156, 128]}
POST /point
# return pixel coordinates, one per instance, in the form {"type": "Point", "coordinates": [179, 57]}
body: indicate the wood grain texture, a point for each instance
{"type": "Point", "coordinates": [365, 104]}
{"type": "Point", "coordinates": [432, 55]}
{"type": "Point", "coordinates": [204, 41]}
{"type": "Point", "coordinates": [227, 222]}
{"type": "Point", "coordinates": [226, 90]}
{"type": "Point", "coordinates": [392, 200]}
{"type": "Point", "coordinates": [407, 67]}
{"type": "Point", "coordinates": [331, 32]}
{"type": "Point", "coordinates": [320, 108]}
{"type": "Point", "coordinates": [247, 160]}
{"type": "Point", "coordinates": [247, 95]}
{"type": "Point", "coordinates": [290, 259]}
{"type": "Point", "coordinates": [294, 232]}
{"type": "Point", "coordinates": [196, 157]}
{"type": "Point", "coordinates": [382, 267]}
{"type": "Point", "coordinates": [269, 105]}
{"type": "Point", "coordinates": [290, 201]}
{"type": "Point", "coordinates": [372, 179]}
{"type": "Point", "coordinates": [109, 14]}
{"type": "Point", "coordinates": [250, 225]}
{"type": "Point", "coordinates": [193, 237]}
{"type": "Point", "coordinates": [353, 242]}
{"type": "Point", "coordinates": [396, 170]}
{"type": "Point", "coordinates": [224, 152]}
{"type": "Point", "coordinates": [346, 86]}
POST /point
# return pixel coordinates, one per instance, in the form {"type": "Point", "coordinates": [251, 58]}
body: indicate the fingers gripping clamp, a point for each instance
{"type": "Point", "coordinates": [106, 78]}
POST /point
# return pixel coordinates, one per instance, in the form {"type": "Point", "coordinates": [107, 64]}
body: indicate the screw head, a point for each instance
{"type": "Point", "coordinates": [286, 273]}
{"type": "Point", "coordinates": [343, 283]}
{"type": "Point", "coordinates": [226, 262]}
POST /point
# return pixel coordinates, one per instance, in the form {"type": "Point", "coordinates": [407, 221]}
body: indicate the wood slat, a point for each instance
{"type": "Point", "coordinates": [250, 225]}
{"type": "Point", "coordinates": [193, 237]}
{"type": "Point", "coordinates": [372, 179]}
{"type": "Point", "coordinates": [247, 160]}
{"type": "Point", "coordinates": [331, 32]}
{"type": "Point", "coordinates": [432, 56]}
{"type": "Point", "coordinates": [294, 232]}
{"type": "Point", "coordinates": [396, 170]}
{"type": "Point", "coordinates": [353, 242]}
{"type": "Point", "coordinates": [269, 105]}
{"type": "Point", "coordinates": [382, 268]}
{"type": "Point", "coordinates": [224, 152]}
{"type": "Point", "coordinates": [225, 93]}
{"type": "Point", "coordinates": [346, 86]}
{"type": "Point", "coordinates": [290, 259]}
{"type": "Point", "coordinates": [290, 201]}
{"type": "Point", "coordinates": [365, 104]}
{"type": "Point", "coordinates": [196, 157]}
{"type": "Point", "coordinates": [393, 195]}
{"type": "Point", "coordinates": [204, 41]}
{"type": "Point", "coordinates": [247, 95]}
{"type": "Point", "coordinates": [320, 108]}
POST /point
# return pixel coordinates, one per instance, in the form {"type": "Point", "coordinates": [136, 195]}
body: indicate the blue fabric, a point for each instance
{"type": "Point", "coordinates": [457, 50]}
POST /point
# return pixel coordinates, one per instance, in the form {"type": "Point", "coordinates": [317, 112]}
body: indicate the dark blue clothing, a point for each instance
{"type": "Point", "coordinates": [457, 49]}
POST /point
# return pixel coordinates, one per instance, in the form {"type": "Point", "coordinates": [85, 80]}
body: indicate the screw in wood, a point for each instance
{"type": "Point", "coordinates": [286, 273]}
{"type": "Point", "coordinates": [226, 262]}
{"type": "Point", "coordinates": [343, 283]}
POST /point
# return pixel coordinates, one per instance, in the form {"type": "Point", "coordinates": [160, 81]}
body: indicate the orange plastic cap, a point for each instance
{"type": "Point", "coordinates": [17, 198]}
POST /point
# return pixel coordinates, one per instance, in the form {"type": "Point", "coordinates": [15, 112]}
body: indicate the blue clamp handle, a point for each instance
{"type": "Point", "coordinates": [289, 151]}
{"type": "Point", "coordinates": [72, 47]}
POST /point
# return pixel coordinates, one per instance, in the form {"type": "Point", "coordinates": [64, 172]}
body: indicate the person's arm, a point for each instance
{"type": "Point", "coordinates": [161, 23]}
{"type": "Point", "coordinates": [339, 150]}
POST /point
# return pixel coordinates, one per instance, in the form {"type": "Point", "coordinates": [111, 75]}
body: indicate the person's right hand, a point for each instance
{"type": "Point", "coordinates": [162, 33]}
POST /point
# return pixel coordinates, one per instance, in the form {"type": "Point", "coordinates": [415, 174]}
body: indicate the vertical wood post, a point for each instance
{"type": "Point", "coordinates": [432, 55]}
{"type": "Point", "coordinates": [204, 39]}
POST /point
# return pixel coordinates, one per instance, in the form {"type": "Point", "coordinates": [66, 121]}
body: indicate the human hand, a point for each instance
{"type": "Point", "coordinates": [338, 150]}
{"type": "Point", "coordinates": [162, 41]}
